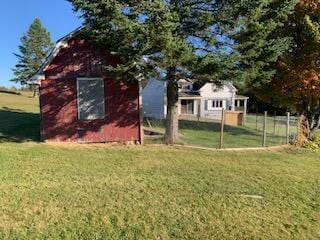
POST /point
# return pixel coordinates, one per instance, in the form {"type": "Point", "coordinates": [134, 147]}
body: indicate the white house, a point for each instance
{"type": "Point", "coordinates": [195, 99]}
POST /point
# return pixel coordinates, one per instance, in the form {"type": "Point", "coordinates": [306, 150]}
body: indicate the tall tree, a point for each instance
{"type": "Point", "coordinates": [258, 40]}
{"type": "Point", "coordinates": [297, 82]}
{"type": "Point", "coordinates": [177, 38]}
{"type": "Point", "coordinates": [35, 46]}
{"type": "Point", "coordinates": [295, 79]}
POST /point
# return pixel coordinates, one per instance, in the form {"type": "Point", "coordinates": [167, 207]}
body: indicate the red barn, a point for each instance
{"type": "Point", "coordinates": [80, 102]}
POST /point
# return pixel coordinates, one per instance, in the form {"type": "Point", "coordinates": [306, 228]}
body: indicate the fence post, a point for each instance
{"type": "Point", "coordinates": [274, 122]}
{"type": "Point", "coordinates": [288, 128]}
{"type": "Point", "coordinates": [257, 119]}
{"type": "Point", "coordinates": [264, 142]}
{"type": "Point", "coordinates": [222, 128]}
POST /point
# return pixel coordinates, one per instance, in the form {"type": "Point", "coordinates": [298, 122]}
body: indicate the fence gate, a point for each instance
{"type": "Point", "coordinates": [234, 118]}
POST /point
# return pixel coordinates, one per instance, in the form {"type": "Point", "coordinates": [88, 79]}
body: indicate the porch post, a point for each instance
{"type": "Point", "coordinates": [195, 107]}
{"type": "Point", "coordinates": [245, 111]}
{"type": "Point", "coordinates": [233, 102]}
{"type": "Point", "coordinates": [179, 107]}
{"type": "Point", "coordinates": [200, 109]}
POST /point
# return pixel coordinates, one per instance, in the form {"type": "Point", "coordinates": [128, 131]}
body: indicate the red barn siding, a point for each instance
{"type": "Point", "coordinates": [58, 98]}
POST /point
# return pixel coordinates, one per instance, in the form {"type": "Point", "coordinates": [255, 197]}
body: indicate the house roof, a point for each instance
{"type": "Point", "coordinates": [198, 85]}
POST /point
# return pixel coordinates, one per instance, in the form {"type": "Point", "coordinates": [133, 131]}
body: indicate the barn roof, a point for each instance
{"type": "Point", "coordinates": [61, 43]}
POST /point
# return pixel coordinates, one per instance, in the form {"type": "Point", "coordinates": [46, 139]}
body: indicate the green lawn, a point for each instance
{"type": "Point", "coordinates": [275, 126]}
{"type": "Point", "coordinates": [207, 134]}
{"type": "Point", "coordinates": [118, 192]}
{"type": "Point", "coordinates": [86, 192]}
{"type": "Point", "coordinates": [19, 118]}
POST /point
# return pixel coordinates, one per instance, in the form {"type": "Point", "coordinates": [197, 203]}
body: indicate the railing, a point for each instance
{"type": "Point", "coordinates": [241, 109]}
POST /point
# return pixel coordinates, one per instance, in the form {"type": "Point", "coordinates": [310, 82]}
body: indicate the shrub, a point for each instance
{"type": "Point", "coordinates": [314, 144]}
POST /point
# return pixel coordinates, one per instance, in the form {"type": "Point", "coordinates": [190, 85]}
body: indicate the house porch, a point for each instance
{"type": "Point", "coordinates": [241, 104]}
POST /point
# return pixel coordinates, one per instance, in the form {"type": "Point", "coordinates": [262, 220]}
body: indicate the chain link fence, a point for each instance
{"type": "Point", "coordinates": [230, 131]}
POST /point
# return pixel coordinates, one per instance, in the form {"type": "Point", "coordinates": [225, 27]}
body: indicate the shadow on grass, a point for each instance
{"type": "Point", "coordinates": [18, 126]}
{"type": "Point", "coordinates": [216, 127]}
{"type": "Point", "coordinates": [205, 126]}
{"type": "Point", "coordinates": [207, 134]}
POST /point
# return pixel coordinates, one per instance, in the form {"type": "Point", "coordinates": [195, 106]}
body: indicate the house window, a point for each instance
{"type": "Point", "coordinates": [217, 103]}
{"type": "Point", "coordinates": [186, 87]}
{"type": "Point", "coordinates": [187, 106]}
{"type": "Point", "coordinates": [91, 99]}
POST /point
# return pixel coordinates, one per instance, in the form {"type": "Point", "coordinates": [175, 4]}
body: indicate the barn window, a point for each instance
{"type": "Point", "coordinates": [91, 100]}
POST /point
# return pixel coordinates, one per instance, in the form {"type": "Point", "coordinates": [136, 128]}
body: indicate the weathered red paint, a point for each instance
{"type": "Point", "coordinates": [58, 98]}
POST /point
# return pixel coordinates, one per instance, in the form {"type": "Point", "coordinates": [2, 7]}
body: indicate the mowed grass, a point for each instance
{"type": "Point", "coordinates": [207, 134]}
{"type": "Point", "coordinates": [65, 191]}
{"type": "Point", "coordinates": [19, 118]}
{"type": "Point", "coordinates": [97, 192]}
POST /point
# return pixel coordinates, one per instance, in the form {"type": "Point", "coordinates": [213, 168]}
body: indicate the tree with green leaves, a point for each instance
{"type": "Point", "coordinates": [200, 39]}
{"type": "Point", "coordinates": [258, 40]}
{"type": "Point", "coordinates": [286, 74]}
{"type": "Point", "coordinates": [35, 46]}
{"type": "Point", "coordinates": [176, 39]}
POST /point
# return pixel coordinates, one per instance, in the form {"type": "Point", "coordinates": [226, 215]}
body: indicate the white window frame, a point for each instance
{"type": "Point", "coordinates": [78, 99]}
{"type": "Point", "coordinates": [212, 104]}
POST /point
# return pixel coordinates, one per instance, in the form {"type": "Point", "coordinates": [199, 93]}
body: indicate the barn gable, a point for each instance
{"type": "Point", "coordinates": [80, 102]}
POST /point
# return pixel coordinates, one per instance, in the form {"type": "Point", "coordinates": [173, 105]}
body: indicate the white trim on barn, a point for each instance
{"type": "Point", "coordinates": [60, 44]}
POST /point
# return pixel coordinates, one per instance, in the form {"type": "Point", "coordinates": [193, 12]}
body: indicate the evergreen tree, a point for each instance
{"type": "Point", "coordinates": [288, 74]}
{"type": "Point", "coordinates": [35, 46]}
{"type": "Point", "coordinates": [258, 40]}
{"type": "Point", "coordinates": [297, 82]}
{"type": "Point", "coordinates": [178, 38]}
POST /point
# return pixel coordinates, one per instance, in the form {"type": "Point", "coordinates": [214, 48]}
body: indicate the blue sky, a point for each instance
{"type": "Point", "coordinates": [15, 18]}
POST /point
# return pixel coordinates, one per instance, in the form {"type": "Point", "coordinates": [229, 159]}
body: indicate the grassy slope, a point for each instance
{"type": "Point", "coordinates": [19, 118]}
{"type": "Point", "coordinates": [93, 191]}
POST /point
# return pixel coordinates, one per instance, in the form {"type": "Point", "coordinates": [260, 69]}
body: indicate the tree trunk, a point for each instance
{"type": "Point", "coordinates": [172, 123]}
{"type": "Point", "coordinates": [303, 132]}
{"type": "Point", "coordinates": [309, 120]}
{"type": "Point", "coordinates": [314, 122]}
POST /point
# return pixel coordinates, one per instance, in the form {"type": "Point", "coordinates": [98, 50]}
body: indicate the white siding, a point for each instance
{"type": "Point", "coordinates": [154, 99]}
{"type": "Point", "coordinates": [224, 93]}
{"type": "Point", "coordinates": [153, 96]}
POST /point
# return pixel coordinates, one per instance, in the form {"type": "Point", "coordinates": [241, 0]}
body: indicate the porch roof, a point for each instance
{"type": "Point", "coordinates": [241, 97]}
{"type": "Point", "coordinates": [189, 95]}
